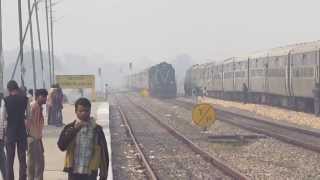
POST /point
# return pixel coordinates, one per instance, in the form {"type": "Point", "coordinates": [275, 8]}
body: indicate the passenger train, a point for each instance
{"type": "Point", "coordinates": [159, 80]}
{"type": "Point", "coordinates": [283, 76]}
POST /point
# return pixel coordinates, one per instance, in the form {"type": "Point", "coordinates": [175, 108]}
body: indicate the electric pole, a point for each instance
{"type": "Point", "coordinates": [1, 51]}
{"type": "Point", "coordinates": [48, 39]}
{"type": "Point", "coordinates": [39, 42]}
{"type": "Point", "coordinates": [21, 43]}
{"type": "Point", "coordinates": [32, 50]}
{"type": "Point", "coordinates": [52, 52]}
{"type": "Point", "coordinates": [20, 50]}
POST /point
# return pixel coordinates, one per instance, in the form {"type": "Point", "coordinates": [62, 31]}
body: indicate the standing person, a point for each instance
{"type": "Point", "coordinates": [199, 93]}
{"type": "Point", "coordinates": [2, 141]}
{"type": "Point", "coordinates": [245, 93]}
{"type": "Point", "coordinates": [316, 99]}
{"type": "Point", "coordinates": [106, 92]}
{"type": "Point", "coordinates": [15, 113]}
{"type": "Point", "coordinates": [30, 92]}
{"type": "Point", "coordinates": [51, 108]}
{"type": "Point", "coordinates": [194, 95]}
{"type": "Point", "coordinates": [30, 95]}
{"type": "Point", "coordinates": [23, 91]}
{"type": "Point", "coordinates": [81, 92]}
{"type": "Point", "coordinates": [205, 91]}
{"type": "Point", "coordinates": [86, 146]}
{"type": "Point", "coordinates": [59, 104]}
{"type": "Point", "coordinates": [35, 128]}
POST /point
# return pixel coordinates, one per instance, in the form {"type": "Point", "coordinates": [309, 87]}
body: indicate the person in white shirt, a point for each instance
{"type": "Point", "coordinates": [2, 140]}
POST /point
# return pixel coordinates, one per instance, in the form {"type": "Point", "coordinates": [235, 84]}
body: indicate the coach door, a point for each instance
{"type": "Point", "coordinates": [289, 67]}
{"type": "Point", "coordinates": [317, 68]}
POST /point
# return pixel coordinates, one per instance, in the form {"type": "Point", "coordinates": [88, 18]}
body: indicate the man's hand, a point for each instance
{"type": "Point", "coordinates": [80, 124]}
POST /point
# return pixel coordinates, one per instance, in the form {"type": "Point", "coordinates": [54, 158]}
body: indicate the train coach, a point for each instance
{"type": "Point", "coordinates": [284, 76]}
{"type": "Point", "coordinates": [158, 79]}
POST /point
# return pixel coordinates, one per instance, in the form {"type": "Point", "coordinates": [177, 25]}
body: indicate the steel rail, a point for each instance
{"type": "Point", "coordinates": [301, 130]}
{"type": "Point", "coordinates": [206, 156]}
{"type": "Point", "coordinates": [134, 139]}
{"type": "Point", "coordinates": [274, 130]}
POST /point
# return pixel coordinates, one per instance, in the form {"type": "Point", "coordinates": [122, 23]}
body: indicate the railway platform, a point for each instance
{"type": "Point", "coordinates": [54, 158]}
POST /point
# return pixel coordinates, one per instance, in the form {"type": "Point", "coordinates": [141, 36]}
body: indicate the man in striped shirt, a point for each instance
{"type": "Point", "coordinates": [35, 127]}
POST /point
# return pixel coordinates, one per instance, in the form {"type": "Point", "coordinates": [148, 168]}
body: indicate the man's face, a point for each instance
{"type": "Point", "coordinates": [42, 99]}
{"type": "Point", "coordinates": [83, 113]}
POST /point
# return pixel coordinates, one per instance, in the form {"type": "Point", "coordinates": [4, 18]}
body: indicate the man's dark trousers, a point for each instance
{"type": "Point", "coordinates": [21, 145]}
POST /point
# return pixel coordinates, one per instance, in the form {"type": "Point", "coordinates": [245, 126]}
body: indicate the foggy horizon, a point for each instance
{"type": "Point", "coordinates": [125, 31]}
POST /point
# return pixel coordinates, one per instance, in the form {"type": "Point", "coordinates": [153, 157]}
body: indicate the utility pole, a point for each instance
{"type": "Point", "coordinates": [1, 52]}
{"type": "Point", "coordinates": [23, 39]}
{"type": "Point", "coordinates": [32, 51]}
{"type": "Point", "coordinates": [21, 43]}
{"type": "Point", "coordinates": [48, 39]}
{"type": "Point", "coordinates": [52, 52]}
{"type": "Point", "coordinates": [40, 45]}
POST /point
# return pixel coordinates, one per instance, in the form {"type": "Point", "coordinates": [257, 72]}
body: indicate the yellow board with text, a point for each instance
{"type": "Point", "coordinates": [77, 82]}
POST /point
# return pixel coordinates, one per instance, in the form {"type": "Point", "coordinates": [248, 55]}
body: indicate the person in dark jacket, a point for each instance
{"type": "Point", "coordinates": [85, 146]}
{"type": "Point", "coordinates": [15, 113]}
{"type": "Point", "coordinates": [316, 99]}
{"type": "Point", "coordinates": [245, 93]}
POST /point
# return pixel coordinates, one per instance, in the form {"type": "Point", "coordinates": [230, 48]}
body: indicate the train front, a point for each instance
{"type": "Point", "coordinates": [162, 81]}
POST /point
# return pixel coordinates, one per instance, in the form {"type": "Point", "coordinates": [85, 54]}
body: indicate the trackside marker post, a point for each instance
{"type": "Point", "coordinates": [203, 115]}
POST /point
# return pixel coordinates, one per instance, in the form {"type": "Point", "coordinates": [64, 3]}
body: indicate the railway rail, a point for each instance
{"type": "Point", "coordinates": [293, 135]}
{"type": "Point", "coordinates": [134, 112]}
{"type": "Point", "coordinates": [145, 161]}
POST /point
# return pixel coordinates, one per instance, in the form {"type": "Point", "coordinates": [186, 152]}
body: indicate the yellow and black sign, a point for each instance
{"type": "Point", "coordinates": [203, 115]}
{"type": "Point", "coordinates": [76, 81]}
{"type": "Point", "coordinates": [144, 93]}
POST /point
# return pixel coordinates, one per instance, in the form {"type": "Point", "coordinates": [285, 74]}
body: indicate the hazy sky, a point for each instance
{"type": "Point", "coordinates": [158, 29]}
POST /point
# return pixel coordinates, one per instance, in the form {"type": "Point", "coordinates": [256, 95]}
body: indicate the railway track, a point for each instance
{"type": "Point", "coordinates": [174, 156]}
{"type": "Point", "coordinates": [293, 135]}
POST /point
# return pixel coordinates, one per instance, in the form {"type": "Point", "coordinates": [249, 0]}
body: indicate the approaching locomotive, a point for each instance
{"type": "Point", "coordinates": [282, 76]}
{"type": "Point", "coordinates": [158, 79]}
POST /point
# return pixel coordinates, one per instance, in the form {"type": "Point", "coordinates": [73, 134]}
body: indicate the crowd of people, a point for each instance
{"type": "Point", "coordinates": [21, 128]}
